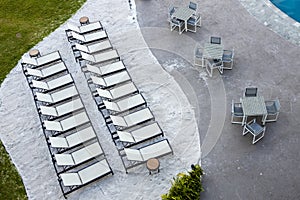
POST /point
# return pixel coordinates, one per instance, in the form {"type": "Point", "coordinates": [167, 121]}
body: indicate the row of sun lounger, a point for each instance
{"type": "Point", "coordinates": [76, 153]}
{"type": "Point", "coordinates": [131, 123]}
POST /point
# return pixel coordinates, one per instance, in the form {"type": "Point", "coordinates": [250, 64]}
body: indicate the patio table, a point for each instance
{"type": "Point", "coordinates": [254, 106]}
{"type": "Point", "coordinates": [183, 13]}
{"type": "Point", "coordinates": [212, 51]}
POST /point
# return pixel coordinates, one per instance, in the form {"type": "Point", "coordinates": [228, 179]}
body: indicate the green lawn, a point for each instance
{"type": "Point", "coordinates": [22, 25]}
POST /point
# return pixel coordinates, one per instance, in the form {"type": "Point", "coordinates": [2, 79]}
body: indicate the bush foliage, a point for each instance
{"type": "Point", "coordinates": [186, 186]}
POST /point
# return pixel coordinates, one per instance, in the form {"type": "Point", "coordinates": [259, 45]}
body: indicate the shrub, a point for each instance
{"type": "Point", "coordinates": [186, 185]}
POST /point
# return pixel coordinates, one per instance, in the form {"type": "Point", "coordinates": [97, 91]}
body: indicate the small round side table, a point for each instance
{"type": "Point", "coordinates": [34, 53]}
{"type": "Point", "coordinates": [153, 165]}
{"type": "Point", "coordinates": [84, 20]}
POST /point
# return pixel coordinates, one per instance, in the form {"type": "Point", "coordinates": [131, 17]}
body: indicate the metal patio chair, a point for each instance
{"type": "Point", "coordinates": [227, 59]}
{"type": "Point", "coordinates": [273, 107]}
{"type": "Point", "coordinates": [236, 113]}
{"type": "Point", "coordinates": [193, 22]}
{"type": "Point", "coordinates": [174, 23]}
{"type": "Point", "coordinates": [251, 92]}
{"type": "Point", "coordinates": [215, 40]}
{"type": "Point", "coordinates": [255, 129]}
{"type": "Point", "coordinates": [211, 64]}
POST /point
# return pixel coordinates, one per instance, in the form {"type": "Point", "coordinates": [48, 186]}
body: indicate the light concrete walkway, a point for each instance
{"type": "Point", "coordinates": [235, 169]}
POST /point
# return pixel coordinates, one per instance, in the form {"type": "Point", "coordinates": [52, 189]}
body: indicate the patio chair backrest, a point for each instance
{"type": "Point", "coordinates": [251, 92]}
{"type": "Point", "coordinates": [193, 6]}
{"type": "Point", "coordinates": [215, 40]}
{"type": "Point", "coordinates": [277, 105]}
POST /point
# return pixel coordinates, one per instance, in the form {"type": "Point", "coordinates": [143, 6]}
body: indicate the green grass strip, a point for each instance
{"type": "Point", "coordinates": [22, 25]}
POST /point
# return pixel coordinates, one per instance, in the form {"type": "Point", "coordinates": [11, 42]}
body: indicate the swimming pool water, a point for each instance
{"type": "Point", "coordinates": [289, 7]}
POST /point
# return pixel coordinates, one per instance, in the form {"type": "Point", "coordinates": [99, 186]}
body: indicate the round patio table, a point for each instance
{"type": "Point", "coordinates": [153, 165]}
{"type": "Point", "coordinates": [34, 53]}
{"type": "Point", "coordinates": [84, 20]}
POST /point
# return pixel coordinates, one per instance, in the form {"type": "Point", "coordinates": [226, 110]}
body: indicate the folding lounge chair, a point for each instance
{"type": "Point", "coordinates": [132, 119]}
{"type": "Point", "coordinates": [55, 97]}
{"type": "Point", "coordinates": [111, 80]}
{"type": "Point", "coordinates": [141, 134]}
{"type": "Point", "coordinates": [106, 69]}
{"type": "Point", "coordinates": [71, 181]}
{"type": "Point", "coordinates": [73, 139]}
{"type": "Point", "coordinates": [142, 154]}
{"type": "Point", "coordinates": [84, 29]}
{"type": "Point", "coordinates": [89, 37]}
{"type": "Point", "coordinates": [117, 92]}
{"type": "Point", "coordinates": [46, 71]}
{"type": "Point", "coordinates": [53, 84]}
{"type": "Point", "coordinates": [100, 57]}
{"type": "Point", "coordinates": [62, 109]}
{"type": "Point", "coordinates": [43, 60]}
{"type": "Point", "coordinates": [125, 104]}
{"type": "Point", "coordinates": [68, 123]}
{"type": "Point", "coordinates": [93, 48]}
{"type": "Point", "coordinates": [77, 157]}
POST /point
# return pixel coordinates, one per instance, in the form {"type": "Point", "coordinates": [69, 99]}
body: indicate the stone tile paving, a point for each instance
{"type": "Point", "coordinates": [272, 17]}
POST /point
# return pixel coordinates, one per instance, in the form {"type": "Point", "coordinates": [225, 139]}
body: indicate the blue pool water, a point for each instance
{"type": "Point", "coordinates": [289, 7]}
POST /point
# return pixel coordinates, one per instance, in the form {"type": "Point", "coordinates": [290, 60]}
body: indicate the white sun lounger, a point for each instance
{"type": "Point", "coordinates": [57, 96]}
{"type": "Point", "coordinates": [77, 157]}
{"type": "Point", "coordinates": [106, 69]}
{"type": "Point", "coordinates": [153, 150]}
{"type": "Point", "coordinates": [86, 28]}
{"type": "Point", "coordinates": [54, 83]}
{"type": "Point", "coordinates": [112, 79]}
{"type": "Point", "coordinates": [125, 104]}
{"type": "Point", "coordinates": [71, 181]}
{"type": "Point", "coordinates": [118, 92]}
{"type": "Point", "coordinates": [47, 71]}
{"type": "Point", "coordinates": [86, 175]}
{"type": "Point", "coordinates": [74, 139]}
{"type": "Point", "coordinates": [140, 134]}
{"type": "Point", "coordinates": [61, 109]}
{"type": "Point", "coordinates": [101, 57]}
{"type": "Point", "coordinates": [89, 37]}
{"type": "Point", "coordinates": [132, 118]}
{"type": "Point", "coordinates": [42, 60]}
{"type": "Point", "coordinates": [93, 48]}
{"type": "Point", "coordinates": [68, 123]}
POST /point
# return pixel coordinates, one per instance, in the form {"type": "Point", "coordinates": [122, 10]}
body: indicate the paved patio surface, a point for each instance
{"type": "Point", "coordinates": [235, 169]}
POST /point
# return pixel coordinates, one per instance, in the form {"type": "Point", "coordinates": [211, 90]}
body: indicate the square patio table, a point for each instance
{"type": "Point", "coordinates": [183, 13]}
{"type": "Point", "coordinates": [254, 106]}
{"type": "Point", "coordinates": [212, 51]}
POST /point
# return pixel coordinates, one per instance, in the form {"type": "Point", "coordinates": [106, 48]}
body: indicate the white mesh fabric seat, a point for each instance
{"type": "Point", "coordinates": [57, 96]}
{"type": "Point", "coordinates": [42, 60]}
{"type": "Point", "coordinates": [54, 83]}
{"type": "Point", "coordinates": [101, 57]}
{"type": "Point", "coordinates": [93, 48]}
{"type": "Point", "coordinates": [86, 28]}
{"type": "Point", "coordinates": [106, 69]}
{"type": "Point", "coordinates": [125, 104]}
{"type": "Point", "coordinates": [154, 150]}
{"type": "Point", "coordinates": [89, 37]}
{"type": "Point", "coordinates": [47, 71]}
{"type": "Point", "coordinates": [61, 109]}
{"type": "Point", "coordinates": [132, 118]}
{"type": "Point", "coordinates": [111, 80]}
{"type": "Point", "coordinates": [86, 175]}
{"type": "Point", "coordinates": [79, 156]}
{"type": "Point", "coordinates": [73, 139]}
{"type": "Point", "coordinates": [117, 92]}
{"type": "Point", "coordinates": [68, 123]}
{"type": "Point", "coordinates": [140, 134]}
